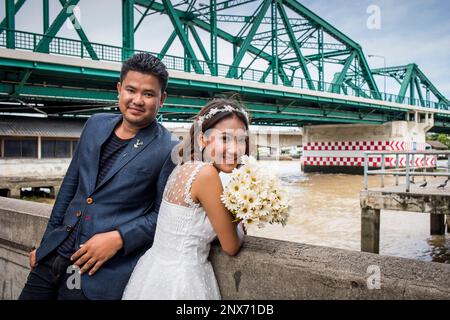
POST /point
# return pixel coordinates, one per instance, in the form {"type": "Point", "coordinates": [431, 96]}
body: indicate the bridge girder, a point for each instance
{"type": "Point", "coordinates": [298, 41]}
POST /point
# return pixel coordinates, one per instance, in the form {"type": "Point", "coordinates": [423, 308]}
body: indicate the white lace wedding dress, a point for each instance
{"type": "Point", "coordinates": [177, 265]}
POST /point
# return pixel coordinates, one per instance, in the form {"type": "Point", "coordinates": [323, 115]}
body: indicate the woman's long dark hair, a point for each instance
{"type": "Point", "coordinates": [189, 149]}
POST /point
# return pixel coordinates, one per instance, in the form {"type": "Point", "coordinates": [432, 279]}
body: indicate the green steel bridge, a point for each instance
{"type": "Point", "coordinates": [279, 55]}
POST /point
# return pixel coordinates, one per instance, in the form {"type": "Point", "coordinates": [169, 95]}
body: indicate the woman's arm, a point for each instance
{"type": "Point", "coordinates": [207, 189]}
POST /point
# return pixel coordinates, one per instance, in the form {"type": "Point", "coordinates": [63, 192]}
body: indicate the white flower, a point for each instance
{"type": "Point", "coordinates": [254, 196]}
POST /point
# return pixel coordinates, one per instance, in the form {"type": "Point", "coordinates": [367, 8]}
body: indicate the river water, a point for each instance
{"type": "Point", "coordinates": [326, 212]}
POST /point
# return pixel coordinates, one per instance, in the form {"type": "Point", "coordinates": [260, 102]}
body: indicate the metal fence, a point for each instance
{"type": "Point", "coordinates": [409, 170]}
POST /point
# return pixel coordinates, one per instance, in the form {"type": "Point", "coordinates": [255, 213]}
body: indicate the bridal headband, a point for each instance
{"type": "Point", "coordinates": [213, 111]}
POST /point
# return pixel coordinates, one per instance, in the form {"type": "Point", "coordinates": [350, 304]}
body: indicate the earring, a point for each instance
{"type": "Point", "coordinates": [118, 96]}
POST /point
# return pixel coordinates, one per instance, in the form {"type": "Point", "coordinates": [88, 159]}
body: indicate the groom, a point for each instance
{"type": "Point", "coordinates": [105, 215]}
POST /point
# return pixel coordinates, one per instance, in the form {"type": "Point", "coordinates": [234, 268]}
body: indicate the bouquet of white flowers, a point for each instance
{"type": "Point", "coordinates": [254, 196]}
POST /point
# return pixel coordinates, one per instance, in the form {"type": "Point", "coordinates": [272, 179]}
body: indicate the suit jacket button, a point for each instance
{"type": "Point", "coordinates": [69, 228]}
{"type": "Point", "coordinates": [78, 214]}
{"type": "Point", "coordinates": [89, 200]}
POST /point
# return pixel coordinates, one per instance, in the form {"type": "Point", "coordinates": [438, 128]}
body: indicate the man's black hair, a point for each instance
{"type": "Point", "coordinates": [147, 64]}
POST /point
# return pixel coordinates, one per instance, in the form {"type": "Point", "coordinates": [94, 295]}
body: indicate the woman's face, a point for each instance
{"type": "Point", "coordinates": [225, 143]}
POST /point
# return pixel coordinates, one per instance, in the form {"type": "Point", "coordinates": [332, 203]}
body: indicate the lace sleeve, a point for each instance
{"type": "Point", "coordinates": [187, 189]}
{"type": "Point", "coordinates": [178, 187]}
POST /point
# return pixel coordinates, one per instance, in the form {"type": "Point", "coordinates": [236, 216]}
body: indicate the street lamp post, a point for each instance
{"type": "Point", "coordinates": [384, 66]}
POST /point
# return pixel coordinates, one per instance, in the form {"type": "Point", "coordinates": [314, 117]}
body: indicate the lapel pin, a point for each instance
{"type": "Point", "coordinates": [138, 144]}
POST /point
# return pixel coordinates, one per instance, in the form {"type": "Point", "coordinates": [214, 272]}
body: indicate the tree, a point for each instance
{"type": "Point", "coordinates": [443, 138]}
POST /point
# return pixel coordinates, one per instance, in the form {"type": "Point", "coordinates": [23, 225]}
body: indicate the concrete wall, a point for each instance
{"type": "Point", "coordinates": [398, 130]}
{"type": "Point", "coordinates": [33, 168]}
{"type": "Point", "coordinates": [24, 173]}
{"type": "Point", "coordinates": [264, 268]}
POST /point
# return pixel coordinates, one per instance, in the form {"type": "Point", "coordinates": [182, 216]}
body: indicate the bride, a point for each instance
{"type": "Point", "coordinates": [191, 213]}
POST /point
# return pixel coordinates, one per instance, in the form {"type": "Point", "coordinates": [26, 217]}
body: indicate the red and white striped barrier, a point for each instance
{"type": "Point", "coordinates": [351, 153]}
{"type": "Point", "coordinates": [363, 146]}
{"type": "Point", "coordinates": [419, 161]}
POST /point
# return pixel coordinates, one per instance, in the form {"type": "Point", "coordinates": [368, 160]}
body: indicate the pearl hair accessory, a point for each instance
{"type": "Point", "coordinates": [213, 111]}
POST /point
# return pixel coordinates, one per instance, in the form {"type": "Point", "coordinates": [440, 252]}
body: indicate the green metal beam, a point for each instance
{"type": "Point", "coordinates": [10, 23]}
{"type": "Point", "coordinates": [357, 89]}
{"type": "Point", "coordinates": [335, 33]}
{"type": "Point", "coordinates": [314, 57]}
{"type": "Point", "coordinates": [266, 74]}
{"type": "Point", "coordinates": [55, 26]}
{"type": "Point", "coordinates": [143, 17]}
{"type": "Point", "coordinates": [419, 91]}
{"type": "Point", "coordinates": [187, 58]}
{"type": "Point", "coordinates": [205, 26]}
{"type": "Point", "coordinates": [222, 6]}
{"type": "Point", "coordinates": [397, 71]}
{"type": "Point", "coordinates": [367, 74]}
{"type": "Point", "coordinates": [201, 47]}
{"type": "Point", "coordinates": [423, 78]}
{"type": "Point", "coordinates": [18, 89]}
{"type": "Point", "coordinates": [17, 6]}
{"type": "Point", "coordinates": [127, 28]}
{"type": "Point", "coordinates": [64, 94]}
{"type": "Point", "coordinates": [336, 85]}
{"type": "Point", "coordinates": [175, 19]}
{"type": "Point", "coordinates": [183, 103]}
{"type": "Point", "coordinates": [412, 95]}
{"type": "Point", "coordinates": [274, 43]}
{"type": "Point", "coordinates": [405, 83]}
{"type": "Point", "coordinates": [46, 15]}
{"type": "Point", "coordinates": [213, 37]}
{"type": "Point", "coordinates": [318, 21]}
{"type": "Point", "coordinates": [167, 45]}
{"type": "Point", "coordinates": [232, 73]}
{"type": "Point", "coordinates": [296, 47]}
{"type": "Point", "coordinates": [192, 105]}
{"type": "Point", "coordinates": [77, 26]}
{"type": "Point", "coordinates": [320, 52]}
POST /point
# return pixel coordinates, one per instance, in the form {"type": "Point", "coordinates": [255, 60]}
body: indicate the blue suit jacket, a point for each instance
{"type": "Point", "coordinates": [127, 200]}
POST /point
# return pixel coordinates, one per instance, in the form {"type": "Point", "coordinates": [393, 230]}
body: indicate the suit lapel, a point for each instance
{"type": "Point", "coordinates": [141, 141]}
{"type": "Point", "coordinates": [104, 132]}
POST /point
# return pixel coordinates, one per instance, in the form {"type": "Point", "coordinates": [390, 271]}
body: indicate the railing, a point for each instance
{"type": "Point", "coordinates": [409, 169]}
{"type": "Point", "coordinates": [88, 50]}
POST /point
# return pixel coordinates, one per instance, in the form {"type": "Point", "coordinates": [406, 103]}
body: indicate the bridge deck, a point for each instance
{"type": "Point", "coordinates": [85, 64]}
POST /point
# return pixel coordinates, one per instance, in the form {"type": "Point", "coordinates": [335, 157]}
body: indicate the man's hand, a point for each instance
{"type": "Point", "coordinates": [32, 257]}
{"type": "Point", "coordinates": [96, 251]}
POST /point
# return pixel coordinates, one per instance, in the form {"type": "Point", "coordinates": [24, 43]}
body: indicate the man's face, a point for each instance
{"type": "Point", "coordinates": [140, 98]}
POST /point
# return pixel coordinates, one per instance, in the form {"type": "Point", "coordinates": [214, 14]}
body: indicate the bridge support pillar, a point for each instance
{"type": "Point", "coordinates": [370, 230]}
{"type": "Point", "coordinates": [340, 148]}
{"type": "Point", "coordinates": [54, 191]}
{"type": "Point", "coordinates": [14, 193]}
{"type": "Point", "coordinates": [437, 224]}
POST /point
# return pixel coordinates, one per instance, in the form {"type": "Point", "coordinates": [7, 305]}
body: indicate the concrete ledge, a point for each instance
{"type": "Point", "coordinates": [272, 269]}
{"type": "Point", "coordinates": [434, 202]}
{"type": "Point", "coordinates": [264, 269]}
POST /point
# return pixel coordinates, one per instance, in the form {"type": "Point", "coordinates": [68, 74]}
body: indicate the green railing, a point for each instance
{"type": "Point", "coordinates": [21, 40]}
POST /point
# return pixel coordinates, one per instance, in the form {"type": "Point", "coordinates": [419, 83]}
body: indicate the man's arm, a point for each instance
{"type": "Point", "coordinates": [141, 231]}
{"type": "Point", "coordinates": [66, 193]}
{"type": "Point", "coordinates": [129, 236]}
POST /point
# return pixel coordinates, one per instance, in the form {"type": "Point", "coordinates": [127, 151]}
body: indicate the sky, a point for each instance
{"type": "Point", "coordinates": [407, 31]}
